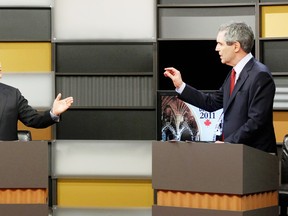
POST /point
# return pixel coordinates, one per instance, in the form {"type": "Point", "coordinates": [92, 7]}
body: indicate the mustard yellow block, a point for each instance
{"type": "Point", "coordinates": [25, 56]}
{"type": "Point", "coordinates": [274, 21]}
{"type": "Point", "coordinates": [280, 124]}
{"type": "Point", "coordinates": [38, 134]}
{"type": "Point", "coordinates": [104, 193]}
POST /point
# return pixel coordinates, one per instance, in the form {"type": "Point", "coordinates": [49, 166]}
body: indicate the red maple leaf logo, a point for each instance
{"type": "Point", "coordinates": [207, 122]}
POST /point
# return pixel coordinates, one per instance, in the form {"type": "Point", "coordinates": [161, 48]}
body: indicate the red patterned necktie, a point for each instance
{"type": "Point", "coordinates": [232, 80]}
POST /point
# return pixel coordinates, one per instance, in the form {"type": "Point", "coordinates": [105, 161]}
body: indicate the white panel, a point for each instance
{"type": "Point", "coordinates": [104, 19]}
{"type": "Point", "coordinates": [280, 105]}
{"type": "Point", "coordinates": [281, 98]}
{"type": "Point", "coordinates": [25, 3]}
{"type": "Point", "coordinates": [102, 211]}
{"type": "Point", "coordinates": [37, 88]}
{"type": "Point", "coordinates": [102, 158]}
{"type": "Point", "coordinates": [281, 90]}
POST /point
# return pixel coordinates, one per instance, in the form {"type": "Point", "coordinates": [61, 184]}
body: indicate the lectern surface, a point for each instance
{"type": "Point", "coordinates": [213, 168]}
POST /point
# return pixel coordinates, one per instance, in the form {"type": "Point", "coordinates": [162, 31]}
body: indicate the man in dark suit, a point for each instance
{"type": "Point", "coordinates": [14, 107]}
{"type": "Point", "coordinates": [248, 111]}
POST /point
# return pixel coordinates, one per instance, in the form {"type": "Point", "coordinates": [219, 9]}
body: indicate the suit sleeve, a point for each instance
{"type": "Point", "coordinates": [30, 116]}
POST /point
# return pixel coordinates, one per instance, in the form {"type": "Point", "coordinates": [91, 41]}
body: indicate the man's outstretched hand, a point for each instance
{"type": "Point", "coordinates": [60, 106]}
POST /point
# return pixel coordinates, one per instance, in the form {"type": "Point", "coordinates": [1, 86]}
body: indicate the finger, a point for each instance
{"type": "Point", "coordinates": [69, 100]}
{"type": "Point", "coordinates": [168, 74]}
{"type": "Point", "coordinates": [58, 96]}
{"type": "Point", "coordinates": [169, 68]}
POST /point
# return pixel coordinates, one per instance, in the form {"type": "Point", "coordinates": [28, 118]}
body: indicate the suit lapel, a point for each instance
{"type": "Point", "coordinates": [3, 99]}
{"type": "Point", "coordinates": [240, 82]}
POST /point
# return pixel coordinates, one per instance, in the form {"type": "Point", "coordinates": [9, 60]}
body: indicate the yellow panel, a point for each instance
{"type": "Point", "coordinates": [280, 124]}
{"type": "Point", "coordinates": [274, 21]}
{"type": "Point", "coordinates": [29, 57]}
{"type": "Point", "coordinates": [104, 193]}
{"type": "Point", "coordinates": [37, 134]}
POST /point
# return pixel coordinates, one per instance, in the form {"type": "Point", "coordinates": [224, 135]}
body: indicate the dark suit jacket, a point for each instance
{"type": "Point", "coordinates": [248, 113]}
{"type": "Point", "coordinates": [14, 107]}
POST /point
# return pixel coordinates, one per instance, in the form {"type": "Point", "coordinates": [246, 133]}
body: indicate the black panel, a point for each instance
{"type": "Point", "coordinates": [25, 24]}
{"type": "Point", "coordinates": [107, 91]}
{"type": "Point", "coordinates": [275, 54]}
{"type": "Point", "coordinates": [107, 125]}
{"type": "Point", "coordinates": [104, 58]}
{"type": "Point", "coordinates": [197, 60]}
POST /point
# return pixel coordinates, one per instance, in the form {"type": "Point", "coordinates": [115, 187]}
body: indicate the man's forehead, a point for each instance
{"type": "Point", "coordinates": [221, 36]}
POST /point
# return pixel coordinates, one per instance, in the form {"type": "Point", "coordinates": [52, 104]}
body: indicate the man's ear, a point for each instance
{"type": "Point", "coordinates": [237, 46]}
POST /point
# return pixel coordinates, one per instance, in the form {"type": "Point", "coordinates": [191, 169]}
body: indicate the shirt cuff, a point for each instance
{"type": "Point", "coordinates": [54, 117]}
{"type": "Point", "coordinates": [181, 88]}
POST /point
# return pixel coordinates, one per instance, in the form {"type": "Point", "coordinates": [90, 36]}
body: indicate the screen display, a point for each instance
{"type": "Point", "coordinates": [180, 121]}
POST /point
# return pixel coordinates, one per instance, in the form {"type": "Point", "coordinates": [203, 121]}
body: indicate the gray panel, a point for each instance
{"type": "Point", "coordinates": [107, 125]}
{"type": "Point", "coordinates": [274, 55]}
{"type": "Point", "coordinates": [25, 24]}
{"type": "Point", "coordinates": [281, 81]}
{"type": "Point", "coordinates": [104, 58]}
{"type": "Point", "coordinates": [281, 95]}
{"type": "Point", "coordinates": [108, 91]}
{"type": "Point", "coordinates": [200, 22]}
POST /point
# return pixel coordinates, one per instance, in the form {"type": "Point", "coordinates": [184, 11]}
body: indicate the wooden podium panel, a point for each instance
{"type": "Point", "coordinates": [24, 210]}
{"type": "Point", "coordinates": [195, 178]}
{"type": "Point", "coordinates": [213, 168]}
{"type": "Point", "coordinates": [173, 211]}
{"type": "Point", "coordinates": [24, 171]}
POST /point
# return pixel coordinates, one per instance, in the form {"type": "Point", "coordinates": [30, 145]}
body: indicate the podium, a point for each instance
{"type": "Point", "coordinates": [24, 178]}
{"type": "Point", "coordinates": [213, 179]}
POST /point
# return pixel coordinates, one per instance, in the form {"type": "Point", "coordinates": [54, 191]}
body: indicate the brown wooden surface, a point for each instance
{"type": "Point", "coordinates": [24, 165]}
{"type": "Point", "coordinates": [213, 168]}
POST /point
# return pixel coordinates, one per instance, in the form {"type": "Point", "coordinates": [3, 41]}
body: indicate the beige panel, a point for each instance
{"type": "Point", "coordinates": [104, 193]}
{"type": "Point", "coordinates": [38, 134]}
{"type": "Point", "coordinates": [273, 18]}
{"type": "Point", "coordinates": [25, 57]}
{"type": "Point", "coordinates": [280, 124]}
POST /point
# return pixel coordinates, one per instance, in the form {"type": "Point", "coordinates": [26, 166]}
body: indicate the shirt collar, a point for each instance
{"type": "Point", "coordinates": [239, 67]}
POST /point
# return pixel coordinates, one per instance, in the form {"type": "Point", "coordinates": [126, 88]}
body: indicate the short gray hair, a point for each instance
{"type": "Point", "coordinates": [238, 32]}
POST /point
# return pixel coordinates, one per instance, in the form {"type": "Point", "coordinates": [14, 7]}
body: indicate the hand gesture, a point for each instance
{"type": "Point", "coordinates": [60, 106]}
{"type": "Point", "coordinates": [174, 75]}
